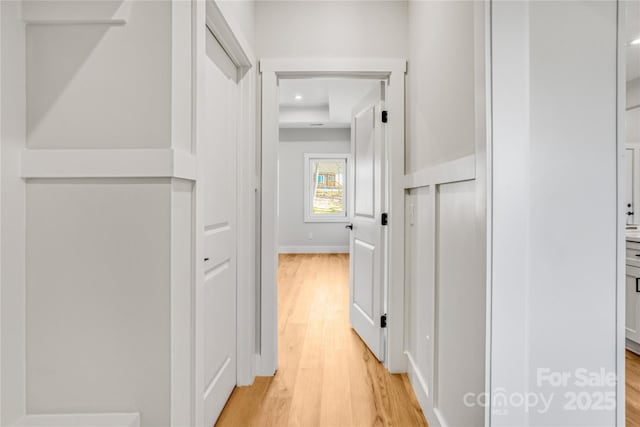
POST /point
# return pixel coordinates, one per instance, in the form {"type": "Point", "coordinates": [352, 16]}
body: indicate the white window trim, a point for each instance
{"type": "Point", "coordinates": [308, 215]}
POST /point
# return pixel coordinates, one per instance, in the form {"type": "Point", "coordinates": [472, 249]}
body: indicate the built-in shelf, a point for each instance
{"type": "Point", "coordinates": [110, 22]}
{"type": "Point", "coordinates": [80, 420]}
{"type": "Point", "coordinates": [108, 163]}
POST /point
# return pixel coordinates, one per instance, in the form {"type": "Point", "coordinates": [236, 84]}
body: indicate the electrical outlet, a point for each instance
{"type": "Point", "coordinates": [310, 236]}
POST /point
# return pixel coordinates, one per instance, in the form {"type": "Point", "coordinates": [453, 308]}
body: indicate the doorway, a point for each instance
{"type": "Point", "coordinates": [332, 187]}
{"type": "Point", "coordinates": [382, 335]}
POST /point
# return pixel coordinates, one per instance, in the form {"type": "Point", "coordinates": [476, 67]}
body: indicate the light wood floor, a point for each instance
{"type": "Point", "coordinates": [326, 375]}
{"type": "Point", "coordinates": [633, 389]}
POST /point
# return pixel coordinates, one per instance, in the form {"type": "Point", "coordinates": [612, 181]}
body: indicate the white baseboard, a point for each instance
{"type": "Point", "coordinates": [313, 249]}
{"type": "Point", "coordinates": [80, 420]}
{"type": "Point", "coordinates": [418, 382]}
{"type": "Point", "coordinates": [421, 389]}
{"type": "Point", "coordinates": [633, 346]}
{"type": "Point", "coordinates": [439, 418]}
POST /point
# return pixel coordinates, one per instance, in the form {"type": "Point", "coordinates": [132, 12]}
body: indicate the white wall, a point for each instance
{"type": "Point", "coordinates": [331, 28]}
{"type": "Point", "coordinates": [293, 231]}
{"type": "Point", "coordinates": [240, 14]}
{"type": "Point", "coordinates": [445, 222]}
{"type": "Point", "coordinates": [554, 236]}
{"type": "Point", "coordinates": [13, 222]}
{"type": "Point", "coordinates": [65, 61]}
{"type": "Point", "coordinates": [440, 91]}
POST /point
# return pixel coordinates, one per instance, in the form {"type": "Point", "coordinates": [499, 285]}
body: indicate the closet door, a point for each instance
{"type": "Point", "coordinates": [217, 162]}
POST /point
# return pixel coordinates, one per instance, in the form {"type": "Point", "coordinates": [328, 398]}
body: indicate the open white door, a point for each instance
{"type": "Point", "coordinates": [366, 303]}
{"type": "Point", "coordinates": [217, 297]}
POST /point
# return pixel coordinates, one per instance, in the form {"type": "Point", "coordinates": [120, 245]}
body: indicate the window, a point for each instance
{"type": "Point", "coordinates": [325, 190]}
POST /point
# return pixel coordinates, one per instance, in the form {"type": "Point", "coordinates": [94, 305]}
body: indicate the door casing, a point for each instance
{"type": "Point", "coordinates": [393, 71]}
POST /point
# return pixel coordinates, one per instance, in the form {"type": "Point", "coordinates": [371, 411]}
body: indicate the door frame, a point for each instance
{"type": "Point", "coordinates": [393, 70]}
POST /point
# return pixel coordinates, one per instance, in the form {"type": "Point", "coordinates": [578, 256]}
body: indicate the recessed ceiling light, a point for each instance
{"type": "Point", "coordinates": [298, 97]}
{"type": "Point", "coordinates": [635, 42]}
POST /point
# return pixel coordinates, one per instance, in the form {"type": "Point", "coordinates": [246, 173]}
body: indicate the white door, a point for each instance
{"type": "Point", "coordinates": [218, 295]}
{"type": "Point", "coordinates": [366, 306]}
{"type": "Point", "coordinates": [629, 172]}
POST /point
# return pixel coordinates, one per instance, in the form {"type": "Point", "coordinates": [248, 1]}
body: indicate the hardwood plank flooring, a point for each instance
{"type": "Point", "coordinates": [326, 375]}
{"type": "Point", "coordinates": [633, 389]}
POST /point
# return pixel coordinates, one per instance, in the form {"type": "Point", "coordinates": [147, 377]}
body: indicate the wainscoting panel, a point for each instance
{"type": "Point", "coordinates": [445, 291]}
{"type": "Point", "coordinates": [98, 294]}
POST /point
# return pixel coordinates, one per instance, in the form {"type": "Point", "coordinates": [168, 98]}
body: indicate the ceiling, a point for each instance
{"type": "Point", "coordinates": [315, 92]}
{"type": "Point", "coordinates": [632, 33]}
{"type": "Point", "coordinates": [321, 102]}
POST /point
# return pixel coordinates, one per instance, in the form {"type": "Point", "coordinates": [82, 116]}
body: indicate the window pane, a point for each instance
{"type": "Point", "coordinates": [328, 190]}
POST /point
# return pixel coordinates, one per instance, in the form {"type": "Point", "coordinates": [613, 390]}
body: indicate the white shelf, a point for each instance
{"type": "Point", "coordinates": [80, 420]}
{"type": "Point", "coordinates": [110, 22]}
{"type": "Point", "coordinates": [104, 163]}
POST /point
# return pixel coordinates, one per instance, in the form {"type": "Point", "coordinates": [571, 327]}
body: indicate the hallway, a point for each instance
{"type": "Point", "coordinates": [326, 375]}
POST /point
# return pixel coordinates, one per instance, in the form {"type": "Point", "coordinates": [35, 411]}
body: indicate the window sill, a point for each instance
{"type": "Point", "coordinates": [328, 219]}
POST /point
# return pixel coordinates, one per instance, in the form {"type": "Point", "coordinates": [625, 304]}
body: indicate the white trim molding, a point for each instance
{"type": "Point", "coordinates": [147, 163]}
{"type": "Point", "coordinates": [462, 169]}
{"type": "Point", "coordinates": [359, 67]}
{"type": "Point", "coordinates": [313, 249]}
{"type": "Point", "coordinates": [423, 391]}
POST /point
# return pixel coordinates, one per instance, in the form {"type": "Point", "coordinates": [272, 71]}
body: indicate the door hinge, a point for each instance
{"type": "Point", "coordinates": [384, 220]}
{"type": "Point", "coordinates": [383, 321]}
{"type": "Point", "coordinates": [385, 116]}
